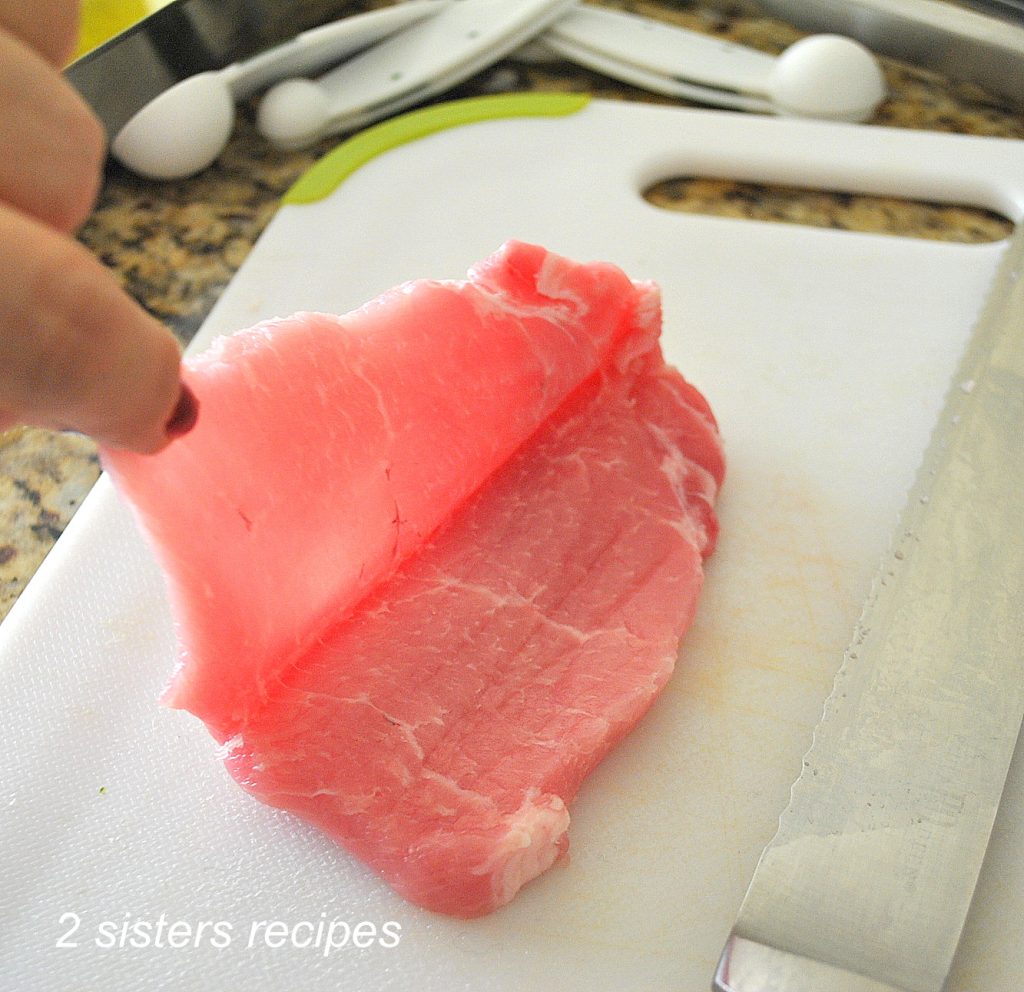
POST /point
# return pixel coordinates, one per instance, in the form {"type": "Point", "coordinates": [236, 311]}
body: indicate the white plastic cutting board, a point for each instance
{"type": "Point", "coordinates": [825, 355]}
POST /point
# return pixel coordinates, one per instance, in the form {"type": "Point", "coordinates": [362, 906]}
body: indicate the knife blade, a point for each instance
{"type": "Point", "coordinates": [184, 38]}
{"type": "Point", "coordinates": [867, 883]}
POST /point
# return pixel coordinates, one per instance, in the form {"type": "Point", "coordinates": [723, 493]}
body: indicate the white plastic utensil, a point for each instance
{"type": "Point", "coordinates": [822, 76]}
{"type": "Point", "coordinates": [412, 66]}
{"type": "Point", "coordinates": [185, 128]}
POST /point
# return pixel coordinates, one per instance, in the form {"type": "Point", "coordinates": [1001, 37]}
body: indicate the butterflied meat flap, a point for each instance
{"type": "Point", "coordinates": [436, 558]}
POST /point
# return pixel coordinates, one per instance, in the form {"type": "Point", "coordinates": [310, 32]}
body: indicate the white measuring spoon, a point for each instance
{"type": "Point", "coordinates": [410, 67]}
{"type": "Point", "coordinates": [187, 126]}
{"type": "Point", "coordinates": [823, 76]}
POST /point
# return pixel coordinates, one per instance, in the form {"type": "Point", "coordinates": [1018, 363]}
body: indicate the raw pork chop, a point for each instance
{"type": "Point", "coordinates": [432, 559]}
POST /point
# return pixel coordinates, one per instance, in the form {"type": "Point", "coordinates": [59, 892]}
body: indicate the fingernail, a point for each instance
{"type": "Point", "coordinates": [185, 414]}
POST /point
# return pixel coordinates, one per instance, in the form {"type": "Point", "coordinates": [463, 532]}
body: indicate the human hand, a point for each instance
{"type": "Point", "coordinates": [76, 352]}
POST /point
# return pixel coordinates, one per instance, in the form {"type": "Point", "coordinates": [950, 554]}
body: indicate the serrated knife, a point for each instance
{"type": "Point", "coordinates": [868, 881]}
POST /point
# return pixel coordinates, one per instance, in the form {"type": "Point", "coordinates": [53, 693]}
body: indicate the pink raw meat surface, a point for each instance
{"type": "Point", "coordinates": [431, 560]}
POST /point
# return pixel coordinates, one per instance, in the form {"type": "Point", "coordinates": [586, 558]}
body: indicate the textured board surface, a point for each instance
{"type": "Point", "coordinates": [825, 355]}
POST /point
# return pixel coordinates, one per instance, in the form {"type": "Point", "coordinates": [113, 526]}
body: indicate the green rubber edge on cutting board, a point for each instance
{"type": "Point", "coordinates": [333, 169]}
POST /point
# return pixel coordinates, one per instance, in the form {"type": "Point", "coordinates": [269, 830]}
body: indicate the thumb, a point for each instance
{"type": "Point", "coordinates": [78, 353]}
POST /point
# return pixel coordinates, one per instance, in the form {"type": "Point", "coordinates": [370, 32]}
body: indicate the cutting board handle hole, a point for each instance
{"type": "Point", "coordinates": [933, 221]}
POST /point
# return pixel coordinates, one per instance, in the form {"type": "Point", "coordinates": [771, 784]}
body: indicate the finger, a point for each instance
{"type": "Point", "coordinates": [48, 26]}
{"type": "Point", "coordinates": [52, 144]}
{"type": "Point", "coordinates": [75, 351]}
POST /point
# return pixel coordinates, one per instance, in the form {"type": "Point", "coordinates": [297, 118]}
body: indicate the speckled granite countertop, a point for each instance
{"type": "Point", "coordinates": [176, 245]}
